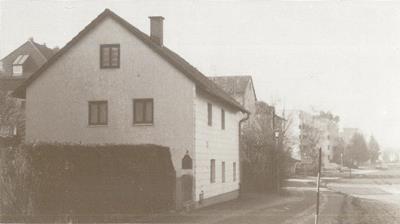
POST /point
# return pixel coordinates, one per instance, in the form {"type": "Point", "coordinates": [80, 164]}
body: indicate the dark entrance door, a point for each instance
{"type": "Point", "coordinates": [187, 187]}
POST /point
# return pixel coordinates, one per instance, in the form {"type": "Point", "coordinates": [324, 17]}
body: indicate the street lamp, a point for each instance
{"type": "Point", "coordinates": [276, 134]}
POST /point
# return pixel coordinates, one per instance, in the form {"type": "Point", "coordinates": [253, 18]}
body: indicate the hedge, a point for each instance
{"type": "Point", "coordinates": [91, 179]}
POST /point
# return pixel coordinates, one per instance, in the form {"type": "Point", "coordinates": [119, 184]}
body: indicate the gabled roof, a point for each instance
{"type": "Point", "coordinates": [234, 85]}
{"type": "Point", "coordinates": [174, 59]}
{"type": "Point", "coordinates": [19, 56]}
{"type": "Point", "coordinates": [44, 50]}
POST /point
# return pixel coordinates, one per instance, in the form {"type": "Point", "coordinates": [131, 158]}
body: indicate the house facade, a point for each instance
{"type": "Point", "coordinates": [15, 68]}
{"type": "Point", "coordinates": [113, 84]}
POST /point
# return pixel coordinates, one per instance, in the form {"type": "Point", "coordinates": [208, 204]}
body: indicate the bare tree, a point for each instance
{"type": "Point", "coordinates": [259, 149]}
{"type": "Point", "coordinates": [374, 149]}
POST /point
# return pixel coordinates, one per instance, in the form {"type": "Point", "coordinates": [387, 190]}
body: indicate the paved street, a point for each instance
{"type": "Point", "coordinates": [297, 204]}
{"type": "Point", "coordinates": [298, 207]}
{"type": "Point", "coordinates": [252, 208]}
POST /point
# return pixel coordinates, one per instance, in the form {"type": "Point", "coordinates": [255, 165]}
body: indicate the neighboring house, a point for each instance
{"type": "Point", "coordinates": [15, 68]}
{"type": "Point", "coordinates": [21, 63]}
{"type": "Point", "coordinates": [242, 89]}
{"type": "Point", "coordinates": [239, 87]}
{"type": "Point", "coordinates": [113, 84]}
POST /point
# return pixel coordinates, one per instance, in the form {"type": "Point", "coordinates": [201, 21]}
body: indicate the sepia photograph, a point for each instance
{"type": "Point", "coordinates": [200, 111]}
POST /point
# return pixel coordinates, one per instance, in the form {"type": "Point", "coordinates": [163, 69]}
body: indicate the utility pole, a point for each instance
{"type": "Point", "coordinates": [318, 181]}
{"type": "Point", "coordinates": [341, 162]}
{"type": "Point", "coordinates": [276, 135]}
{"type": "Point", "coordinates": [351, 164]}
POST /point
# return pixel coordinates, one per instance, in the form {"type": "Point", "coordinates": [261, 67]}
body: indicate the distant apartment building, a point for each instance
{"type": "Point", "coordinates": [313, 130]}
{"type": "Point", "coordinates": [327, 124]}
{"type": "Point", "coordinates": [298, 122]}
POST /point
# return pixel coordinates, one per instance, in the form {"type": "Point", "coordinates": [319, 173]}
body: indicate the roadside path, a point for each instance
{"type": "Point", "coordinates": [252, 208]}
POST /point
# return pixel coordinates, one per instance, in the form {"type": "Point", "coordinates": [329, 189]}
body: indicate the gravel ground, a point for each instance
{"type": "Point", "coordinates": [366, 211]}
{"type": "Point", "coordinates": [252, 208]}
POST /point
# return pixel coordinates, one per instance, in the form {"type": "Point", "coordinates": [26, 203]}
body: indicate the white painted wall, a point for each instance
{"type": "Point", "coordinates": [211, 142]}
{"type": "Point", "coordinates": [57, 107]}
{"type": "Point", "coordinates": [57, 102]}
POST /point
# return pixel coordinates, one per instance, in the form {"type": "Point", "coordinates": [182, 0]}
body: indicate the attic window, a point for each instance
{"type": "Point", "coordinates": [18, 65]}
{"type": "Point", "coordinates": [109, 56]}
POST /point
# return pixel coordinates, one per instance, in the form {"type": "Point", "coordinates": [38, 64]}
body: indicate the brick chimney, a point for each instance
{"type": "Point", "coordinates": [156, 29]}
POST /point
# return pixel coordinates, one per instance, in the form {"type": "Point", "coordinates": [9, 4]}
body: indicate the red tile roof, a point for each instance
{"type": "Point", "coordinates": [174, 59]}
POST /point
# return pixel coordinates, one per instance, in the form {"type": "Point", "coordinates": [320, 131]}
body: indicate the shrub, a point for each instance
{"type": "Point", "coordinates": [90, 179]}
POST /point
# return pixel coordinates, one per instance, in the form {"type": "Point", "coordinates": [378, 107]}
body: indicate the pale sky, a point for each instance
{"type": "Point", "coordinates": [342, 56]}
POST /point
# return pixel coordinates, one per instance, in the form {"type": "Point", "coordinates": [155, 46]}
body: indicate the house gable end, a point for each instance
{"type": "Point", "coordinates": [174, 59]}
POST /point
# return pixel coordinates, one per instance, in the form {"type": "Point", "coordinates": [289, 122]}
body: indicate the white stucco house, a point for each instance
{"type": "Point", "coordinates": [113, 83]}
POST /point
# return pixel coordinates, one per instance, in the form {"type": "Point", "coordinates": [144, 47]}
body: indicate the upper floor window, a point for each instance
{"type": "Point", "coordinates": [109, 56]}
{"type": "Point", "coordinates": [143, 111]}
{"type": "Point", "coordinates": [209, 112]}
{"type": "Point", "coordinates": [222, 119]}
{"type": "Point", "coordinates": [98, 113]}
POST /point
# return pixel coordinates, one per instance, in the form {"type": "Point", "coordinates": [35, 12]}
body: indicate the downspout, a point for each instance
{"type": "Point", "coordinates": [240, 159]}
